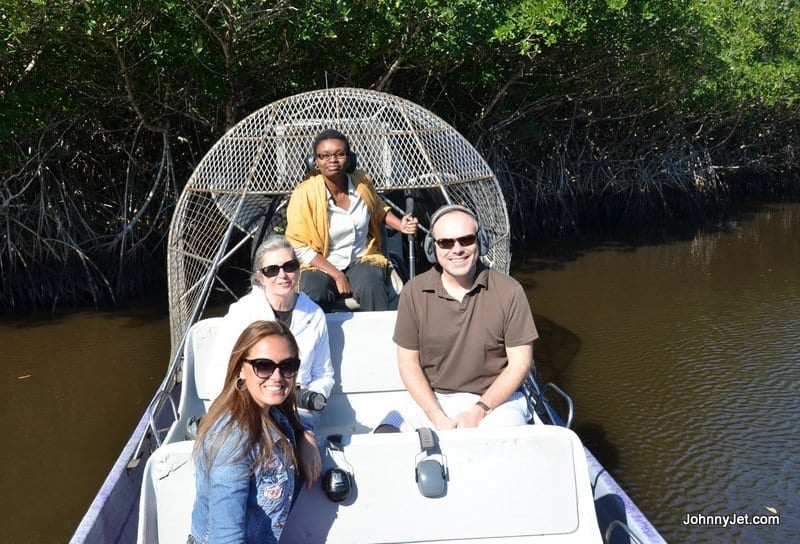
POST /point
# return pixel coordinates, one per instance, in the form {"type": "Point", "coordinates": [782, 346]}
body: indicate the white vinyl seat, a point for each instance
{"type": "Point", "coordinates": [547, 462]}
{"type": "Point", "coordinates": [168, 491]}
{"type": "Point", "coordinates": [194, 401]}
{"type": "Point", "coordinates": [367, 381]}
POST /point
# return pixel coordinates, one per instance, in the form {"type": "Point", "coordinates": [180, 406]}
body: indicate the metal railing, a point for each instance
{"type": "Point", "coordinates": [618, 524]}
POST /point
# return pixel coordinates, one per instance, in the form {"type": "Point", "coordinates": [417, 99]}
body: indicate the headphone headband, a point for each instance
{"type": "Point", "coordinates": [429, 245]}
{"type": "Point", "coordinates": [449, 208]}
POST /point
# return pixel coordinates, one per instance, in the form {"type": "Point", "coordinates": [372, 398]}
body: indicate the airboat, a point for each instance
{"type": "Point", "coordinates": [535, 483]}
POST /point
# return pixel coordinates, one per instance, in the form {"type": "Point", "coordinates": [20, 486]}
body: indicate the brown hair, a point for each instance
{"type": "Point", "coordinates": [235, 409]}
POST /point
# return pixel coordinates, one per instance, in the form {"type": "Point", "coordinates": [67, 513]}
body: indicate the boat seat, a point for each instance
{"type": "Point", "coordinates": [194, 401]}
{"type": "Point", "coordinates": [545, 464]}
{"type": "Point", "coordinates": [367, 381]}
{"type": "Point", "coordinates": [364, 361]}
{"type": "Point", "coordinates": [168, 491]}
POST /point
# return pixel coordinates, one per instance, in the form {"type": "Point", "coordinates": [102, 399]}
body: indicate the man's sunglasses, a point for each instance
{"type": "Point", "coordinates": [264, 368]}
{"type": "Point", "coordinates": [272, 270]}
{"type": "Point", "coordinates": [464, 241]}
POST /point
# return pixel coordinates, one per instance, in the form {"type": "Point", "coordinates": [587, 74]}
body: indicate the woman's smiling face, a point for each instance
{"type": "Point", "coordinates": [284, 282]}
{"type": "Point", "coordinates": [272, 390]}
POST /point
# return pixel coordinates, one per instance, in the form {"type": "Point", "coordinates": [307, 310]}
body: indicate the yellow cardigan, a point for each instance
{"type": "Point", "coordinates": [307, 217]}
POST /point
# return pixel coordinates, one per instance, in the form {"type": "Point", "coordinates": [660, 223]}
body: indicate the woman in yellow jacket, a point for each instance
{"type": "Point", "coordinates": [333, 221]}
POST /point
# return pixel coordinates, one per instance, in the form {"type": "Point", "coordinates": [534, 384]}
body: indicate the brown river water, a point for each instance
{"type": "Point", "coordinates": [680, 350]}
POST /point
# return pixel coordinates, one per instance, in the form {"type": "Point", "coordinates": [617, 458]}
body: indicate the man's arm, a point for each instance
{"type": "Point", "coordinates": [420, 389]}
{"type": "Point", "coordinates": [508, 382]}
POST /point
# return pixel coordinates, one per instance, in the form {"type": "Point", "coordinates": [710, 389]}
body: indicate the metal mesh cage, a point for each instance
{"type": "Point", "coordinates": [244, 181]}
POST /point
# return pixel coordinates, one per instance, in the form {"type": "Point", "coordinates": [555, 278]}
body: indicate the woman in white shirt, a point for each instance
{"type": "Point", "coordinates": [333, 221]}
{"type": "Point", "coordinates": [274, 298]}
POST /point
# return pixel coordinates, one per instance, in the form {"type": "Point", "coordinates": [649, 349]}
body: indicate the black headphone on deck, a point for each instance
{"type": "Point", "coordinates": [310, 163]}
{"type": "Point", "coordinates": [337, 482]}
{"type": "Point", "coordinates": [429, 246]}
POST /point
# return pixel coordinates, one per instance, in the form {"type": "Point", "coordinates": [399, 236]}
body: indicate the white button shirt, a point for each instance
{"type": "Point", "coordinates": [347, 230]}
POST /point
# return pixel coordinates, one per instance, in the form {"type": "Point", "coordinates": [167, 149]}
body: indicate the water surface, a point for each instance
{"type": "Point", "coordinates": [681, 353]}
{"type": "Point", "coordinates": [680, 350]}
{"type": "Point", "coordinates": [73, 388]}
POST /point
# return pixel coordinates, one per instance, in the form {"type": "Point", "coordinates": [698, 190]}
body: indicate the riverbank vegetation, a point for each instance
{"type": "Point", "coordinates": [591, 113]}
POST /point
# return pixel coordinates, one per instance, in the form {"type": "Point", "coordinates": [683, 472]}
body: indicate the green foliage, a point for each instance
{"type": "Point", "coordinates": [757, 47]}
{"type": "Point", "coordinates": [532, 25]}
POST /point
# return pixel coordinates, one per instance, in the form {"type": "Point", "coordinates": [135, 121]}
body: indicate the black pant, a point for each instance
{"type": "Point", "coordinates": [368, 281]}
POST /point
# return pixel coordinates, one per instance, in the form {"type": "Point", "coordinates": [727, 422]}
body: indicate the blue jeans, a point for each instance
{"type": "Point", "coordinates": [309, 419]}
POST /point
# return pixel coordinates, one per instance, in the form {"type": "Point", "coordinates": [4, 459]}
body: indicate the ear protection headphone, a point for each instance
{"type": "Point", "coordinates": [337, 482]}
{"type": "Point", "coordinates": [431, 471]}
{"type": "Point", "coordinates": [310, 163]}
{"type": "Point", "coordinates": [429, 245]}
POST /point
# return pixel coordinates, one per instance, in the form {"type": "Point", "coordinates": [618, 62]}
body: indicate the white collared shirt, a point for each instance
{"type": "Point", "coordinates": [347, 230]}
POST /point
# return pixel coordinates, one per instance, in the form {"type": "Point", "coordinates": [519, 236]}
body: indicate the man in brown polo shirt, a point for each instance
{"type": "Point", "coordinates": [464, 334]}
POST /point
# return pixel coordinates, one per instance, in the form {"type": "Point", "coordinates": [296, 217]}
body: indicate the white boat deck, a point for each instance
{"type": "Point", "coordinates": [525, 484]}
{"type": "Point", "coordinates": [512, 484]}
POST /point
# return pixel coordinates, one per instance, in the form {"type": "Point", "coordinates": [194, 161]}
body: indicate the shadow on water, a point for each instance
{"type": "Point", "coordinates": [140, 315]}
{"type": "Point", "coordinates": [555, 352]}
{"type": "Point", "coordinates": [554, 253]}
{"type": "Point", "coordinates": [594, 436]}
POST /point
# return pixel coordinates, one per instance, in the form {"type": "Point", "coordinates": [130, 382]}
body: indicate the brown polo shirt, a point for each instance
{"type": "Point", "coordinates": [462, 345]}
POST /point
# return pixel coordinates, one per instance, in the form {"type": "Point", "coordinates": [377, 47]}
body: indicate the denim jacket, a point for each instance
{"type": "Point", "coordinates": [233, 505]}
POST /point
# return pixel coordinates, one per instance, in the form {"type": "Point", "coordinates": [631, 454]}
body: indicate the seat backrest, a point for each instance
{"type": "Point", "coordinates": [200, 348]}
{"type": "Point", "coordinates": [168, 491]}
{"type": "Point", "coordinates": [363, 355]}
{"type": "Point", "coordinates": [367, 381]}
{"type": "Point", "coordinates": [197, 358]}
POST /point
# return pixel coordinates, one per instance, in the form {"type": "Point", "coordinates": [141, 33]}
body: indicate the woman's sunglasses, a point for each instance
{"type": "Point", "coordinates": [265, 368]}
{"type": "Point", "coordinates": [464, 241]}
{"type": "Point", "coordinates": [272, 270]}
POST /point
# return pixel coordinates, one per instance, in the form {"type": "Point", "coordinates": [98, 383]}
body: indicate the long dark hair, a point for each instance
{"type": "Point", "coordinates": [235, 409]}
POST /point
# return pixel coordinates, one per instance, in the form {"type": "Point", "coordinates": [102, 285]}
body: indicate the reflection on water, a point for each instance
{"type": "Point", "coordinates": [73, 389]}
{"type": "Point", "coordinates": [681, 354]}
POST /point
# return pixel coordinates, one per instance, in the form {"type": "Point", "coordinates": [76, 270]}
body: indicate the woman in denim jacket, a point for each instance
{"type": "Point", "coordinates": [247, 473]}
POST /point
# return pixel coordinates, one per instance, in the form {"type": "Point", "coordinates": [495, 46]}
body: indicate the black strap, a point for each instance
{"type": "Point", "coordinates": [425, 438]}
{"type": "Point", "coordinates": [334, 441]}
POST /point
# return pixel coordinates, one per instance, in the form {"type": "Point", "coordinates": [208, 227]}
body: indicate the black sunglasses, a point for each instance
{"type": "Point", "coordinates": [272, 270]}
{"type": "Point", "coordinates": [464, 241]}
{"type": "Point", "coordinates": [264, 368]}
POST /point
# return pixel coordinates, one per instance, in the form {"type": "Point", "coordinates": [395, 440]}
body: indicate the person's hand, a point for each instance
{"type": "Point", "coordinates": [409, 224]}
{"type": "Point", "coordinates": [343, 284]}
{"type": "Point", "coordinates": [310, 460]}
{"type": "Point", "coordinates": [441, 421]}
{"type": "Point", "coordinates": [470, 417]}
